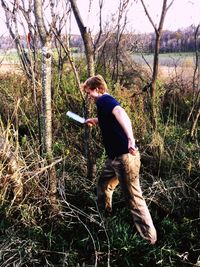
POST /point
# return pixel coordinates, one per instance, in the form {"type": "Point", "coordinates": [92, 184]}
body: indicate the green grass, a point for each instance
{"type": "Point", "coordinates": [167, 59]}
{"type": "Point", "coordinates": [32, 236]}
{"type": "Point", "coordinates": [9, 56]}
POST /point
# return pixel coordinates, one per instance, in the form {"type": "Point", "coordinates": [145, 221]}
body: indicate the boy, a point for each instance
{"type": "Point", "coordinates": [123, 163]}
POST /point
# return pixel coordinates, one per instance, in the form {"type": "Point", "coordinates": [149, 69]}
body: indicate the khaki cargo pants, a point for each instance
{"type": "Point", "coordinates": [125, 170]}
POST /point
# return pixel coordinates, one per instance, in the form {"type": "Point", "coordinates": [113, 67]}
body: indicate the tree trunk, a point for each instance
{"type": "Point", "coordinates": [46, 96]}
{"type": "Point", "coordinates": [90, 55]}
{"type": "Point", "coordinates": [194, 124]}
{"type": "Point", "coordinates": [153, 83]}
{"type": "Point", "coordinates": [158, 32]}
{"type": "Point", "coordinates": [87, 39]}
{"type": "Point", "coordinates": [196, 75]}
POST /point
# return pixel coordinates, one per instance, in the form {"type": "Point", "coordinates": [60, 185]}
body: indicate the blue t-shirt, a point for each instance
{"type": "Point", "coordinates": [114, 137]}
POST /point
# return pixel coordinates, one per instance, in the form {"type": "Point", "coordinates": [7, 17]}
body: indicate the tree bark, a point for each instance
{"type": "Point", "coordinates": [90, 55]}
{"type": "Point", "coordinates": [46, 78]}
{"type": "Point", "coordinates": [46, 95]}
{"type": "Point", "coordinates": [87, 39]}
{"type": "Point", "coordinates": [196, 75]}
{"type": "Point", "coordinates": [158, 32]}
{"type": "Point", "coordinates": [194, 124]}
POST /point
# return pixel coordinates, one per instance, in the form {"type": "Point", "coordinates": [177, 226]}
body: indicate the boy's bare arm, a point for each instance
{"type": "Point", "coordinates": [123, 119]}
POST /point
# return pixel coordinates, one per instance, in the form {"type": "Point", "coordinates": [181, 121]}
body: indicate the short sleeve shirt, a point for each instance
{"type": "Point", "coordinates": [114, 137]}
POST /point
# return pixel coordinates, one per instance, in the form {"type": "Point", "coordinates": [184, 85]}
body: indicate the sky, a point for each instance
{"type": "Point", "coordinates": [181, 14]}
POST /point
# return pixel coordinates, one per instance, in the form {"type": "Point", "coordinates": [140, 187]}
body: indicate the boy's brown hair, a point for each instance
{"type": "Point", "coordinates": [96, 82]}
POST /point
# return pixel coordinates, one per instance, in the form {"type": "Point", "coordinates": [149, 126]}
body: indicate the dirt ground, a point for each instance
{"type": "Point", "coordinates": [165, 73]}
{"type": "Point", "coordinates": [10, 68]}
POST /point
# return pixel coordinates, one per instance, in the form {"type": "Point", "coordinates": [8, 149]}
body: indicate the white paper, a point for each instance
{"type": "Point", "coordinates": [75, 117]}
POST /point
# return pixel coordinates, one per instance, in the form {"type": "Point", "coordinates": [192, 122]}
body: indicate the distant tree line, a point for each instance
{"type": "Point", "coordinates": [182, 40]}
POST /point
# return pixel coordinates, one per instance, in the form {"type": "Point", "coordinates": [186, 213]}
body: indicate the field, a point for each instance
{"type": "Point", "coordinates": [170, 64]}
{"type": "Point", "coordinates": [168, 59]}
{"type": "Point", "coordinates": [9, 61]}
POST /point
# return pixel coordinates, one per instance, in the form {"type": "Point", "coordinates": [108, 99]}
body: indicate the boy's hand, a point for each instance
{"type": "Point", "coordinates": [132, 147]}
{"type": "Point", "coordinates": [91, 122]}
